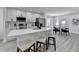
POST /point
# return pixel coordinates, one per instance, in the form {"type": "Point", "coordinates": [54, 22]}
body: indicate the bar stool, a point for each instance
{"type": "Point", "coordinates": [26, 46]}
{"type": "Point", "coordinates": [42, 42]}
{"type": "Point", "coordinates": [50, 38]}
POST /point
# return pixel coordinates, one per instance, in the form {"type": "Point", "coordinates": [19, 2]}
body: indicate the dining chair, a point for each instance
{"type": "Point", "coordinates": [56, 30]}
{"type": "Point", "coordinates": [65, 30]}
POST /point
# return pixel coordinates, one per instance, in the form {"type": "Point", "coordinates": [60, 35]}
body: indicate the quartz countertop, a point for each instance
{"type": "Point", "coordinates": [26, 31]}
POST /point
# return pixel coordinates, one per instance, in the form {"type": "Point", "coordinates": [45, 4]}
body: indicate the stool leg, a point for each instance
{"type": "Point", "coordinates": [31, 48]}
{"type": "Point", "coordinates": [54, 42]}
{"type": "Point", "coordinates": [28, 50]}
{"type": "Point", "coordinates": [40, 45]}
{"type": "Point", "coordinates": [17, 49]}
{"type": "Point", "coordinates": [34, 47]}
{"type": "Point", "coordinates": [46, 44]}
{"type": "Point", "coordinates": [44, 47]}
{"type": "Point", "coordinates": [54, 45]}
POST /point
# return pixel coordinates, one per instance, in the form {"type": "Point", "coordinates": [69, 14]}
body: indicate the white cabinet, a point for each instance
{"type": "Point", "coordinates": [34, 16]}
{"type": "Point", "coordinates": [33, 19]}
{"type": "Point", "coordinates": [18, 13]}
{"type": "Point", "coordinates": [28, 17]}
{"type": "Point", "coordinates": [12, 14]}
{"type": "Point", "coordinates": [48, 20]}
{"type": "Point", "coordinates": [21, 13]}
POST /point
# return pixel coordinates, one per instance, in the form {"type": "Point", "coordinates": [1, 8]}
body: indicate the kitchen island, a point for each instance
{"type": "Point", "coordinates": [20, 32]}
{"type": "Point", "coordinates": [33, 34]}
{"type": "Point", "coordinates": [25, 35]}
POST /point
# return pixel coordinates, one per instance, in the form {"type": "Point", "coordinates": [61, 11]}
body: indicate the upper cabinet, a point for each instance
{"type": "Point", "coordinates": [21, 13]}
{"type": "Point", "coordinates": [11, 14]}
{"type": "Point", "coordinates": [31, 17]}
{"type": "Point", "coordinates": [28, 17]}
{"type": "Point", "coordinates": [34, 16]}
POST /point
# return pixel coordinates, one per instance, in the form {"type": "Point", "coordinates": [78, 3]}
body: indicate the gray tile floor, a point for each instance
{"type": "Point", "coordinates": [64, 44]}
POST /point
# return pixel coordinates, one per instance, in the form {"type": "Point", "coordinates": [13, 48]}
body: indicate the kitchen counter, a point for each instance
{"type": "Point", "coordinates": [20, 32]}
{"type": "Point", "coordinates": [33, 34]}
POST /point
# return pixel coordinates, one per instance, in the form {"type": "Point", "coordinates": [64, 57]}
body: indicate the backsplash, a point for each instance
{"type": "Point", "coordinates": [30, 24]}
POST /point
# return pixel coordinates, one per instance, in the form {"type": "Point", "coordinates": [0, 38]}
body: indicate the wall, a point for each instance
{"type": "Point", "coordinates": [49, 20]}
{"type": "Point", "coordinates": [49, 23]}
{"type": "Point", "coordinates": [12, 14]}
{"type": "Point", "coordinates": [29, 25]}
{"type": "Point", "coordinates": [68, 18]}
{"type": "Point", "coordinates": [73, 28]}
{"type": "Point", "coordinates": [58, 19]}
{"type": "Point", "coordinates": [1, 23]}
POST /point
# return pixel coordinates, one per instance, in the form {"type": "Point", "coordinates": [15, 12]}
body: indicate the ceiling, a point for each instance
{"type": "Point", "coordinates": [52, 11]}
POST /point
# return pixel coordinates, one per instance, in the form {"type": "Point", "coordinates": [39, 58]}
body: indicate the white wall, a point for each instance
{"type": "Point", "coordinates": [12, 13]}
{"type": "Point", "coordinates": [73, 28]}
{"type": "Point", "coordinates": [1, 23]}
{"type": "Point", "coordinates": [68, 18]}
{"type": "Point", "coordinates": [49, 23]}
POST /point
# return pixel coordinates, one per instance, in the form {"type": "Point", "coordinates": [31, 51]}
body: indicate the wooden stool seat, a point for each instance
{"type": "Point", "coordinates": [41, 39]}
{"type": "Point", "coordinates": [25, 45]}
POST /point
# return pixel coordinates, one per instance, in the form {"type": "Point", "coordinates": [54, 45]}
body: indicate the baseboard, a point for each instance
{"type": "Point", "coordinates": [74, 33]}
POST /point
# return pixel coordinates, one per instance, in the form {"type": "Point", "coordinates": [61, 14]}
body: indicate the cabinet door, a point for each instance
{"type": "Point", "coordinates": [48, 20]}
{"type": "Point", "coordinates": [28, 17]}
{"type": "Point", "coordinates": [23, 13]}
{"type": "Point", "coordinates": [12, 14]}
{"type": "Point", "coordinates": [33, 18]}
{"type": "Point", "coordinates": [18, 13]}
